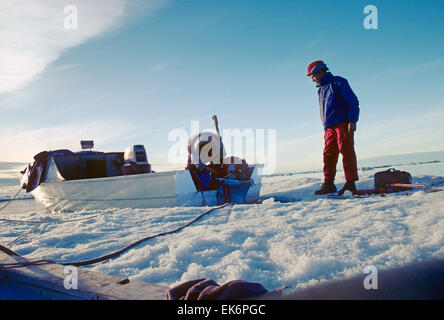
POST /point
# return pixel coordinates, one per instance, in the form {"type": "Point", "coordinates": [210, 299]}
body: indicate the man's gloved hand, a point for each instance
{"type": "Point", "coordinates": [351, 127]}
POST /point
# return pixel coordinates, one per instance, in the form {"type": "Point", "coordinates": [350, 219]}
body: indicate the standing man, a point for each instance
{"type": "Point", "coordinates": [339, 109]}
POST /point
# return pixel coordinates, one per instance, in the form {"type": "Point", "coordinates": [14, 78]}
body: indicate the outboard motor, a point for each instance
{"type": "Point", "coordinates": [135, 160]}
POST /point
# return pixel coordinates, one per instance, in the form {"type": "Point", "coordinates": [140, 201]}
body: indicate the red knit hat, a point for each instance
{"type": "Point", "coordinates": [315, 66]}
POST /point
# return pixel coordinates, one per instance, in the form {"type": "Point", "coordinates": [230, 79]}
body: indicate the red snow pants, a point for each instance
{"type": "Point", "coordinates": [337, 140]}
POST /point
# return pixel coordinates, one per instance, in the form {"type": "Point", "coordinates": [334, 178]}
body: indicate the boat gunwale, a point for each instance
{"type": "Point", "coordinates": [132, 176]}
{"type": "Point", "coordinates": [120, 177]}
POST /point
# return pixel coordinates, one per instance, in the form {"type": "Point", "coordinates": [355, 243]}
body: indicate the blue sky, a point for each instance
{"type": "Point", "coordinates": [133, 71]}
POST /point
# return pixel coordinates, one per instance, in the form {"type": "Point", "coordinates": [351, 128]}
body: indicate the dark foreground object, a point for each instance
{"type": "Point", "coordinates": [419, 281]}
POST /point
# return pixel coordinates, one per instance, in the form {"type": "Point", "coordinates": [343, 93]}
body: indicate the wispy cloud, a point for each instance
{"type": "Point", "coordinates": [404, 71]}
{"type": "Point", "coordinates": [301, 152]}
{"type": "Point", "coordinates": [387, 137]}
{"type": "Point", "coordinates": [62, 68]}
{"type": "Point", "coordinates": [33, 33]}
{"type": "Point", "coordinates": [418, 133]}
{"type": "Point", "coordinates": [158, 68]}
{"type": "Point", "coordinates": [23, 143]}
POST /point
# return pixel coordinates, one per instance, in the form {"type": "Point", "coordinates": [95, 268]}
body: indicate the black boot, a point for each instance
{"type": "Point", "coordinates": [349, 185]}
{"type": "Point", "coordinates": [326, 187]}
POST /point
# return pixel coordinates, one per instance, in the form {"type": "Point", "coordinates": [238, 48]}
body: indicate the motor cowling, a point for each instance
{"type": "Point", "coordinates": [135, 160]}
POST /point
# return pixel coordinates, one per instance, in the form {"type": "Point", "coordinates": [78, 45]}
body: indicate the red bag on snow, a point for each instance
{"type": "Point", "coordinates": [384, 179]}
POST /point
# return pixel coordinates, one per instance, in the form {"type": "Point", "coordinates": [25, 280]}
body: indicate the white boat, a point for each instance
{"type": "Point", "coordinates": [63, 181]}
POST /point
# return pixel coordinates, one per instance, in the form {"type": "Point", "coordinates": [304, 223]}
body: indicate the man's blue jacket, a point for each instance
{"type": "Point", "coordinates": [338, 103]}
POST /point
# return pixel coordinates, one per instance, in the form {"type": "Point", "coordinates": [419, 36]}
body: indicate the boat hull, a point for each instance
{"type": "Point", "coordinates": [149, 190]}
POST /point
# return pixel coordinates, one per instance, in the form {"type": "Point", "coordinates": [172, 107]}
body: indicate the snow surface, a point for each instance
{"type": "Point", "coordinates": [291, 238]}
